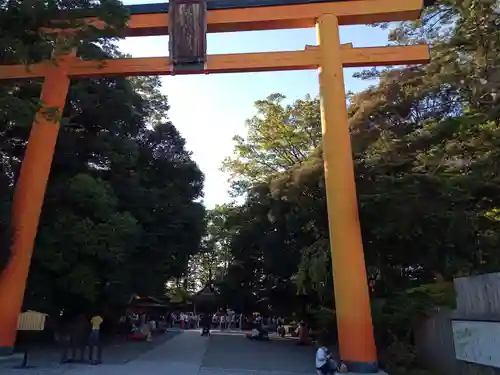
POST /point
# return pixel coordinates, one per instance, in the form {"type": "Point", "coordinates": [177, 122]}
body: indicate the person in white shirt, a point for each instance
{"type": "Point", "coordinates": [214, 320]}
{"type": "Point", "coordinates": [325, 365]}
{"type": "Point", "coordinates": [222, 322]}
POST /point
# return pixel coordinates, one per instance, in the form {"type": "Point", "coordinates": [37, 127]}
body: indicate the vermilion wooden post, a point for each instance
{"type": "Point", "coordinates": [352, 301]}
{"type": "Point", "coordinates": [28, 198]}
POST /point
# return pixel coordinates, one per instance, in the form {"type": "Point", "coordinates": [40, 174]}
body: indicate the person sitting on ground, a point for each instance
{"type": "Point", "coordinates": [325, 364]}
{"type": "Point", "coordinates": [258, 330]}
{"type": "Point", "coordinates": [205, 323]}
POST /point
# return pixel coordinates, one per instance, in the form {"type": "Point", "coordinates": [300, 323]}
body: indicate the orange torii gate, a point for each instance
{"type": "Point", "coordinates": [355, 329]}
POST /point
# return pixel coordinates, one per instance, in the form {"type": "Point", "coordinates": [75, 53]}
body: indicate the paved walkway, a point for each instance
{"type": "Point", "coordinates": [190, 354]}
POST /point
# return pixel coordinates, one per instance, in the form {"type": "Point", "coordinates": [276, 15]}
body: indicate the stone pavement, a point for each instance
{"type": "Point", "coordinates": [223, 353]}
{"type": "Point", "coordinates": [279, 356]}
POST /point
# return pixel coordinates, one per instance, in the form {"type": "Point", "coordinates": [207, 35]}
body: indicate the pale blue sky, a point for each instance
{"type": "Point", "coordinates": [209, 110]}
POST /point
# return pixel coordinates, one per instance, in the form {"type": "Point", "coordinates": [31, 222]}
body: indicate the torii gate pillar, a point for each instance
{"type": "Point", "coordinates": [352, 301]}
{"type": "Point", "coordinates": [28, 198]}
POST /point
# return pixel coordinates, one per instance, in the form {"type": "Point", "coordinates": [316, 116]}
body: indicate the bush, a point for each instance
{"type": "Point", "coordinates": [395, 319]}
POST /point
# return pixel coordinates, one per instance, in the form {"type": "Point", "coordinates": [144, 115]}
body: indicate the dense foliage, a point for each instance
{"type": "Point", "coordinates": [122, 212]}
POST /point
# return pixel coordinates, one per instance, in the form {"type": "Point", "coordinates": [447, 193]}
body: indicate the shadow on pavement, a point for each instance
{"type": "Point", "coordinates": [238, 353]}
{"type": "Point", "coordinates": [116, 351]}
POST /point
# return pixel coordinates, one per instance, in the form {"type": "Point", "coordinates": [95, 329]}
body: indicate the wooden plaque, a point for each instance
{"type": "Point", "coordinates": [31, 321]}
{"type": "Point", "coordinates": [188, 33]}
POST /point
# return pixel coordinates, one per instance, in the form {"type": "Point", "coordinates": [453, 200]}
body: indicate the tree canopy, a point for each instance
{"type": "Point", "coordinates": [122, 211]}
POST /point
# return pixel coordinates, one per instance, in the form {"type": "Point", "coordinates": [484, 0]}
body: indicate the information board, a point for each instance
{"type": "Point", "coordinates": [477, 342]}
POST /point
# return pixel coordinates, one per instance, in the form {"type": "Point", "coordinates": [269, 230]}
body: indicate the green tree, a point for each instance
{"type": "Point", "coordinates": [22, 40]}
{"type": "Point", "coordinates": [279, 136]}
{"type": "Point", "coordinates": [83, 248]}
{"type": "Point", "coordinates": [210, 265]}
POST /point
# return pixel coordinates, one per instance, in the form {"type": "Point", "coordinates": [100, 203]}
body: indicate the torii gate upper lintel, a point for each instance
{"type": "Point", "coordinates": [355, 331]}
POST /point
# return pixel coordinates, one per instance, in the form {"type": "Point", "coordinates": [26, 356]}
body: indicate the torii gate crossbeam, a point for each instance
{"type": "Point", "coordinates": [356, 340]}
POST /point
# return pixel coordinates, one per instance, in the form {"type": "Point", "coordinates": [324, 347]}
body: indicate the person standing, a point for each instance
{"type": "Point", "coordinates": [222, 322]}
{"type": "Point", "coordinates": [95, 323]}
{"type": "Point", "coordinates": [172, 319]}
{"type": "Point", "coordinates": [303, 333]}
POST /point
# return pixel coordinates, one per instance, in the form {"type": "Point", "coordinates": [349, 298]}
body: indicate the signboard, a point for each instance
{"type": "Point", "coordinates": [31, 321]}
{"type": "Point", "coordinates": [187, 33]}
{"type": "Point", "coordinates": [477, 342]}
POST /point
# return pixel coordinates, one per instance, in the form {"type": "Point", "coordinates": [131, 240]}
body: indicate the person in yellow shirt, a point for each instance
{"type": "Point", "coordinates": [95, 322]}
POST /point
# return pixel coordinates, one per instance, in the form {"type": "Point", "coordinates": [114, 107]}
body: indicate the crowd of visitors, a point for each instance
{"type": "Point", "coordinates": [224, 320]}
{"type": "Point", "coordinates": [221, 320]}
{"type": "Point", "coordinates": [142, 326]}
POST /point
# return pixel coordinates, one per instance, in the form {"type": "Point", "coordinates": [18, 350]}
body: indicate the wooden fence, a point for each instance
{"type": "Point", "coordinates": [465, 341]}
